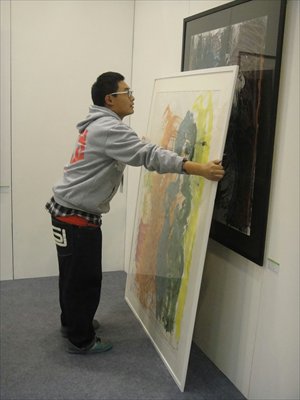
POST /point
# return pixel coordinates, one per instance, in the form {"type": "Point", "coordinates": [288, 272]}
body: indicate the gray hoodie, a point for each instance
{"type": "Point", "coordinates": [104, 147]}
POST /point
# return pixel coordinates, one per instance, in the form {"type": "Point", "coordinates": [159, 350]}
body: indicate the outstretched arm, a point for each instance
{"type": "Point", "coordinates": [213, 170]}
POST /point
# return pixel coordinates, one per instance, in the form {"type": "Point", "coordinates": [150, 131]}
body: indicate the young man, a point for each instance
{"type": "Point", "coordinates": [90, 180]}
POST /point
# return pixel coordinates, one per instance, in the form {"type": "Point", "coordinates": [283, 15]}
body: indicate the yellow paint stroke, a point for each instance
{"type": "Point", "coordinates": [203, 109]}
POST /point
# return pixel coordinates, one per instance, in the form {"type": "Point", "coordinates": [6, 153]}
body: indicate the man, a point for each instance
{"type": "Point", "coordinates": [90, 180]}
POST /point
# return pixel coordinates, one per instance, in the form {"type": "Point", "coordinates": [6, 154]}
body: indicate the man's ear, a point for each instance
{"type": "Point", "coordinates": [108, 100]}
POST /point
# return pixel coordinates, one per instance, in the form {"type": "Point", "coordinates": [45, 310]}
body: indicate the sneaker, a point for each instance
{"type": "Point", "coordinates": [98, 346]}
{"type": "Point", "coordinates": [64, 329]}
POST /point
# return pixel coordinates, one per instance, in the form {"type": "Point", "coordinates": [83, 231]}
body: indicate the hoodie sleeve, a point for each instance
{"type": "Point", "coordinates": [124, 145]}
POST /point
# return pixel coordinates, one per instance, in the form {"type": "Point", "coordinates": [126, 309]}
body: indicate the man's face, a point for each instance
{"type": "Point", "coordinates": [121, 104]}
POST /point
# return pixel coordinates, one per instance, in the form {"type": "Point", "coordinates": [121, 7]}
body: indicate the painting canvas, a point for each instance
{"type": "Point", "coordinates": [189, 115]}
{"type": "Point", "coordinates": [247, 33]}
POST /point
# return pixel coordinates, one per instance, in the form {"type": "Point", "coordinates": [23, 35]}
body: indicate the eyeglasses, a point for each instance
{"type": "Point", "coordinates": [128, 92]}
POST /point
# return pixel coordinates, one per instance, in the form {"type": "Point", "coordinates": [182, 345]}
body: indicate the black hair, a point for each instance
{"type": "Point", "coordinates": [105, 84]}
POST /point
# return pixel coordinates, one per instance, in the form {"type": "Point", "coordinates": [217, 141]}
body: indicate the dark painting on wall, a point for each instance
{"type": "Point", "coordinates": [247, 33]}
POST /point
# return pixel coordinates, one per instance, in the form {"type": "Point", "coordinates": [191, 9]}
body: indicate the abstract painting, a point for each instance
{"type": "Point", "coordinates": [208, 49]}
{"type": "Point", "coordinates": [247, 33]}
{"type": "Point", "coordinates": [189, 115]}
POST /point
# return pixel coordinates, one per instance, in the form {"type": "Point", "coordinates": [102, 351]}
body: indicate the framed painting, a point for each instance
{"type": "Point", "coordinates": [247, 33]}
{"type": "Point", "coordinates": [189, 115]}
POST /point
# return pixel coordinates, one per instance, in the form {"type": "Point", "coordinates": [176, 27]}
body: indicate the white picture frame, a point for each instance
{"type": "Point", "coordinates": [189, 114]}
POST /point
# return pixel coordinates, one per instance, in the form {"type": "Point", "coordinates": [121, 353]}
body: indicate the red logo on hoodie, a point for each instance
{"type": "Point", "coordinates": [80, 148]}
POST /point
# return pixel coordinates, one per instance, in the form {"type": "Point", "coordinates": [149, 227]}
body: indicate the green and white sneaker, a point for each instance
{"type": "Point", "coordinates": [98, 346]}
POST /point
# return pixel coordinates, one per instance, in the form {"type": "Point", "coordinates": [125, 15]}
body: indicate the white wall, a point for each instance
{"type": "Point", "coordinates": [6, 260]}
{"type": "Point", "coordinates": [58, 50]}
{"type": "Point", "coordinates": [277, 338]}
{"type": "Point", "coordinates": [248, 316]}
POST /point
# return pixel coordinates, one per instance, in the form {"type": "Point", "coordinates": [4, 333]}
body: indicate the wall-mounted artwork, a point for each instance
{"type": "Point", "coordinates": [189, 115]}
{"type": "Point", "coordinates": [248, 33]}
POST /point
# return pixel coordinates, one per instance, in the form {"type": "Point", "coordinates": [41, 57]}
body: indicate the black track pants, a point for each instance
{"type": "Point", "coordinates": [80, 274]}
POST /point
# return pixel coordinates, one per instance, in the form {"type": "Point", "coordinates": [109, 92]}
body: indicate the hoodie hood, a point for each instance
{"type": "Point", "coordinates": [95, 112]}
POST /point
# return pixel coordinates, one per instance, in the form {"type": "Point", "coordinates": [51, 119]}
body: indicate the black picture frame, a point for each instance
{"type": "Point", "coordinates": [248, 33]}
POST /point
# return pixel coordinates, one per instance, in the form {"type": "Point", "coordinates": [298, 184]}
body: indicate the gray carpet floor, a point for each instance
{"type": "Point", "coordinates": [35, 366]}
